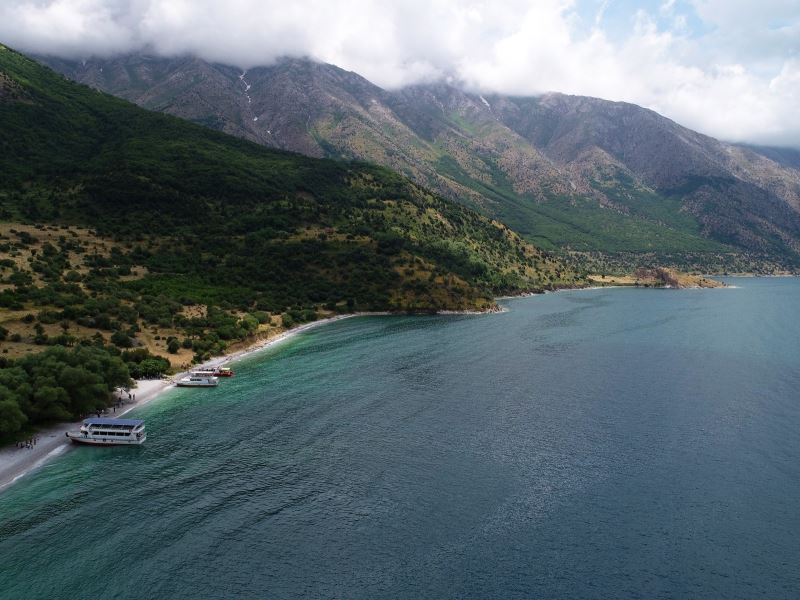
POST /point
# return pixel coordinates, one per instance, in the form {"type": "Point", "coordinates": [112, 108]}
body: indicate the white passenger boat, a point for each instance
{"type": "Point", "coordinates": [203, 372]}
{"type": "Point", "coordinates": [109, 432]}
{"type": "Point", "coordinates": [197, 380]}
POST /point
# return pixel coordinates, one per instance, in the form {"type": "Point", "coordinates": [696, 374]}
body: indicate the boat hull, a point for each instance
{"type": "Point", "coordinates": [208, 385]}
{"type": "Point", "coordinates": [78, 438]}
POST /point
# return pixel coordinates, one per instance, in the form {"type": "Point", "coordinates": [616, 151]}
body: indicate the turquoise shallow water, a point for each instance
{"type": "Point", "coordinates": [592, 444]}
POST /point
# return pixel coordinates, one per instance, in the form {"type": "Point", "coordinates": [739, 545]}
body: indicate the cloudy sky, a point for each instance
{"type": "Point", "coordinates": [729, 68]}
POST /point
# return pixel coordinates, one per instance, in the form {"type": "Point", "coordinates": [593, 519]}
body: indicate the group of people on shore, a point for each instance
{"type": "Point", "coordinates": [28, 444]}
{"type": "Point", "coordinates": [121, 398]}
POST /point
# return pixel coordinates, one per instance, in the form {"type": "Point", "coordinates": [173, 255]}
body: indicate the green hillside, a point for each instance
{"type": "Point", "coordinates": [155, 242]}
{"type": "Point", "coordinates": [215, 218]}
{"type": "Point", "coordinates": [281, 228]}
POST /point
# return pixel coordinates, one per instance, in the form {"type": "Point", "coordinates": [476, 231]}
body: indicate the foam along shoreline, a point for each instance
{"type": "Point", "coordinates": [17, 462]}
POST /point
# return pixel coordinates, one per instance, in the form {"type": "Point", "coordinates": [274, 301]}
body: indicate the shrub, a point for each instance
{"type": "Point", "coordinates": [261, 316]}
{"type": "Point", "coordinates": [121, 339]}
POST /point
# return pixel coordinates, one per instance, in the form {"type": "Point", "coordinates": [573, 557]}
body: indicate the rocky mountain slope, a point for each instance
{"type": "Point", "coordinates": [565, 171]}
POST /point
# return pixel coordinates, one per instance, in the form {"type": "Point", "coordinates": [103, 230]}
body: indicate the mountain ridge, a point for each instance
{"type": "Point", "coordinates": [568, 172]}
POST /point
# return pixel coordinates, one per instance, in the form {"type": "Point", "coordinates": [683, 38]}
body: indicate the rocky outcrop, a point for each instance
{"type": "Point", "coordinates": [661, 277]}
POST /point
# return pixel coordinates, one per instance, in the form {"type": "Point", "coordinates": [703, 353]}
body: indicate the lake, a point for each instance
{"type": "Point", "coordinates": [623, 443]}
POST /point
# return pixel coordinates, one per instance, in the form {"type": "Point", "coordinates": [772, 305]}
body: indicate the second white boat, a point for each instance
{"type": "Point", "coordinates": [198, 380]}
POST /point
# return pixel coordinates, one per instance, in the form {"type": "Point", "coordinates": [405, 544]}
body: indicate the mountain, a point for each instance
{"type": "Point", "coordinates": [564, 171]}
{"type": "Point", "coordinates": [212, 219]}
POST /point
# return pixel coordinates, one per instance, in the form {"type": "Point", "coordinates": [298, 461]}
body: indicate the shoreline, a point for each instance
{"type": "Point", "coordinates": [16, 462]}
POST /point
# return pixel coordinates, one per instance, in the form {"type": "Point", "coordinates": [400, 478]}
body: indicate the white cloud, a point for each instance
{"type": "Point", "coordinates": [737, 78]}
{"type": "Point", "coordinates": [66, 26]}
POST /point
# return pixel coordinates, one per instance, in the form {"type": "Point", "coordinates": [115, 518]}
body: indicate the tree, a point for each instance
{"type": "Point", "coordinates": [51, 401]}
{"type": "Point", "coordinates": [87, 391]}
{"type": "Point", "coordinates": [153, 367]}
{"type": "Point", "coordinates": [41, 337]}
{"type": "Point", "coordinates": [12, 419]}
{"type": "Point", "coordinates": [121, 339]}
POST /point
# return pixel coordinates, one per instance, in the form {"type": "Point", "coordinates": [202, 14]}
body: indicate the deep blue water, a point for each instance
{"type": "Point", "coordinates": [591, 444]}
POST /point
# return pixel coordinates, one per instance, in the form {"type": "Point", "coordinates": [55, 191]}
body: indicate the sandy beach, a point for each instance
{"type": "Point", "coordinates": [16, 462]}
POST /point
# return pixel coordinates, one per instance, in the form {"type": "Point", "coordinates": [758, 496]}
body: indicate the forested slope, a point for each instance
{"type": "Point", "coordinates": [144, 240]}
